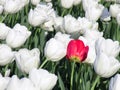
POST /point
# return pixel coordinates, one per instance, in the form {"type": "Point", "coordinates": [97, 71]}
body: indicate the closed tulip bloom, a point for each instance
{"type": "Point", "coordinates": [67, 4]}
{"type": "Point", "coordinates": [17, 36]}
{"type": "Point", "coordinates": [115, 82]}
{"type": "Point", "coordinates": [77, 51]}
{"type": "Point", "coordinates": [106, 66]}
{"type": "Point", "coordinates": [7, 56]}
{"type": "Point", "coordinates": [4, 31]}
{"type": "Point", "coordinates": [26, 59]}
{"type": "Point", "coordinates": [42, 79]}
{"type": "Point", "coordinates": [4, 82]}
{"type": "Point", "coordinates": [108, 46]}
{"type": "Point", "coordinates": [114, 10]}
{"type": "Point", "coordinates": [35, 2]}
{"type": "Point", "coordinates": [54, 50]}
{"type": "Point", "coordinates": [20, 84]}
{"type": "Point", "coordinates": [93, 13]}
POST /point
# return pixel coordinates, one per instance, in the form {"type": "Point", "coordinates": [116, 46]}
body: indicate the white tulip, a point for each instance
{"type": "Point", "coordinates": [106, 66]}
{"type": "Point", "coordinates": [76, 2]}
{"type": "Point", "coordinates": [41, 14]}
{"type": "Point", "coordinates": [7, 56]}
{"type": "Point", "coordinates": [88, 3]}
{"type": "Point", "coordinates": [23, 3]}
{"type": "Point", "coordinates": [71, 24]}
{"type": "Point", "coordinates": [35, 2]}
{"type": "Point", "coordinates": [92, 53]}
{"type": "Point", "coordinates": [64, 38]}
{"type": "Point", "coordinates": [118, 19]}
{"type": "Point", "coordinates": [84, 24]}
{"type": "Point", "coordinates": [108, 46]}
{"type": "Point", "coordinates": [58, 25]}
{"type": "Point", "coordinates": [2, 2]}
{"type": "Point", "coordinates": [1, 9]}
{"type": "Point", "coordinates": [35, 18]}
{"type": "Point", "coordinates": [4, 82]}
{"type": "Point", "coordinates": [26, 60]}
{"type": "Point", "coordinates": [114, 10]}
{"type": "Point", "coordinates": [3, 31]}
{"type": "Point", "coordinates": [12, 6]}
{"type": "Point", "coordinates": [92, 35]}
{"type": "Point", "coordinates": [20, 84]}
{"type": "Point", "coordinates": [54, 50]}
{"type": "Point", "coordinates": [49, 23]}
{"type": "Point", "coordinates": [43, 79]}
{"type": "Point", "coordinates": [17, 36]}
{"type": "Point", "coordinates": [67, 4]}
{"type": "Point", "coordinates": [115, 82]}
{"type": "Point", "coordinates": [93, 13]}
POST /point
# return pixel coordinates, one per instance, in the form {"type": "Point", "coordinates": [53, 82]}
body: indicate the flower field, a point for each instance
{"type": "Point", "coordinates": [59, 45]}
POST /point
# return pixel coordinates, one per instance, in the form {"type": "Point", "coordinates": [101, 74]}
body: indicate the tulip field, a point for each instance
{"type": "Point", "coordinates": [59, 44]}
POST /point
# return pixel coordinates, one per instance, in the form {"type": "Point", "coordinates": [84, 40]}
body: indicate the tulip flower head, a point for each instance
{"type": "Point", "coordinates": [77, 51]}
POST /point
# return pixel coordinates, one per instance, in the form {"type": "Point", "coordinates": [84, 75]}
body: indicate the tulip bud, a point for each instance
{"type": "Point", "coordinates": [114, 10]}
{"type": "Point", "coordinates": [115, 82]}
{"type": "Point", "coordinates": [77, 51]}
{"type": "Point", "coordinates": [54, 50]}
{"type": "Point", "coordinates": [7, 56]}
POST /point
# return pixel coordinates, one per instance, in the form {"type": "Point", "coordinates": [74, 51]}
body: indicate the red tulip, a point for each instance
{"type": "Point", "coordinates": [77, 51]}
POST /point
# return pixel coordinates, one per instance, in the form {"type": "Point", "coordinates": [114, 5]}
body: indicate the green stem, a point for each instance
{"type": "Point", "coordinates": [3, 18]}
{"type": "Point", "coordinates": [64, 10]}
{"type": "Point", "coordinates": [45, 61]}
{"type": "Point", "coordinates": [118, 36]}
{"type": "Point", "coordinates": [72, 73]}
{"type": "Point", "coordinates": [95, 82]}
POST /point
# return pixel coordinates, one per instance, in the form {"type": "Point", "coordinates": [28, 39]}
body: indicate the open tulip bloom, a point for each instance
{"type": "Point", "coordinates": [77, 51]}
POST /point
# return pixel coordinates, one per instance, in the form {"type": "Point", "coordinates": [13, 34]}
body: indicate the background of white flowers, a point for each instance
{"type": "Point", "coordinates": [40, 24]}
